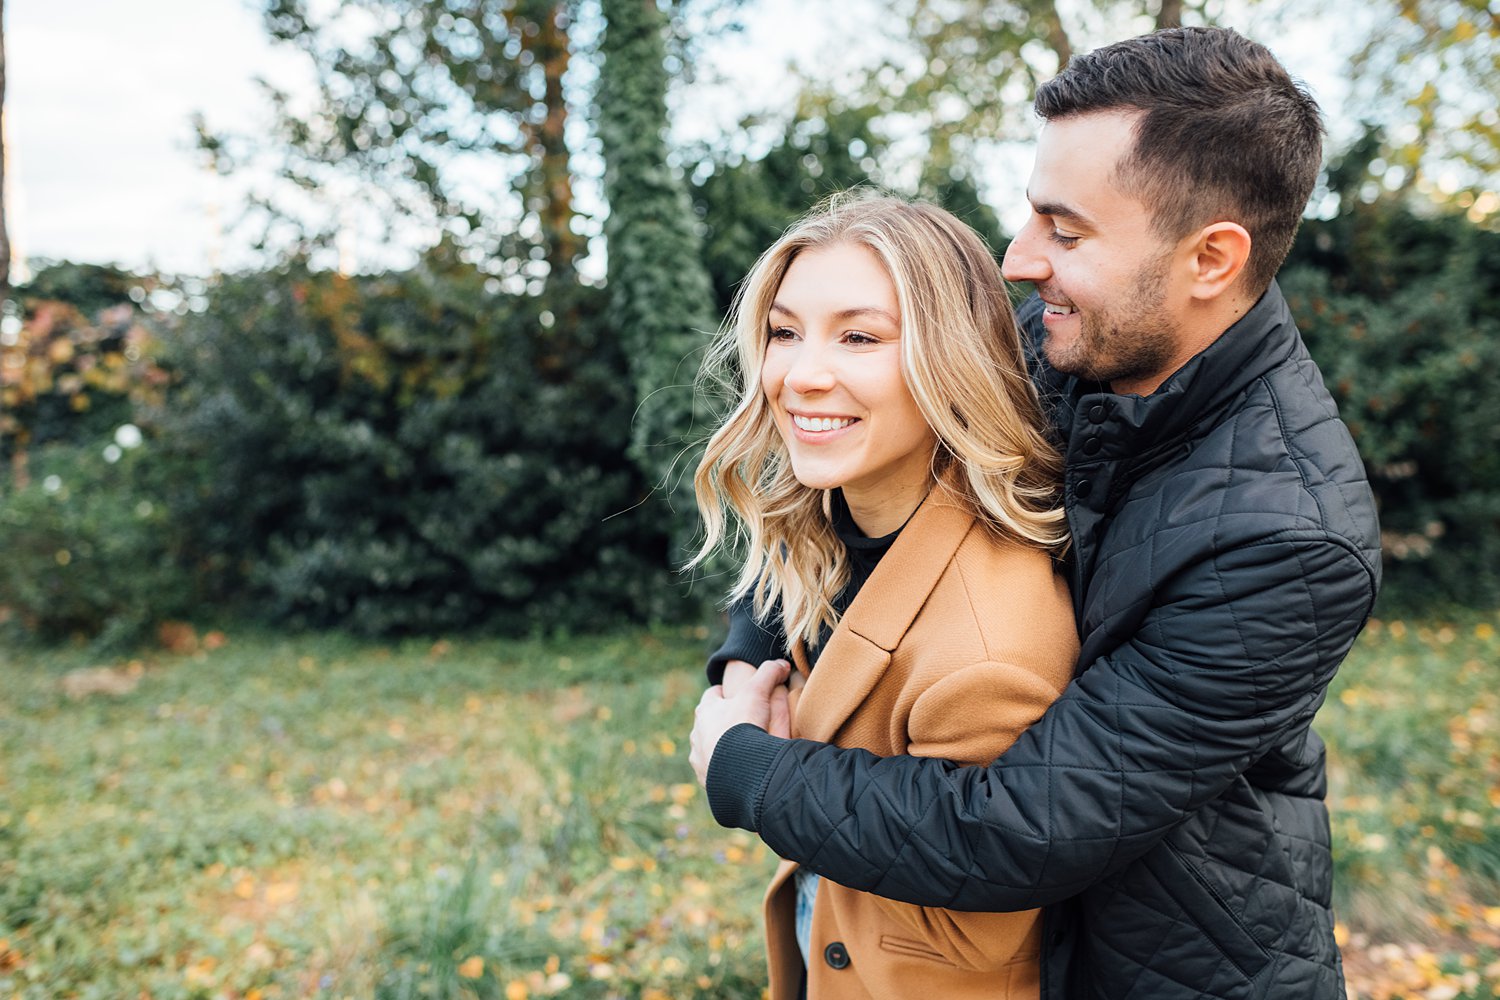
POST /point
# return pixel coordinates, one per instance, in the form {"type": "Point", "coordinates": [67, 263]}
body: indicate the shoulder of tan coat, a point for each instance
{"type": "Point", "coordinates": [1012, 598]}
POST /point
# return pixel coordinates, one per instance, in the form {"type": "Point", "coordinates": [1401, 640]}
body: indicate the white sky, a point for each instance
{"type": "Point", "coordinates": [99, 96]}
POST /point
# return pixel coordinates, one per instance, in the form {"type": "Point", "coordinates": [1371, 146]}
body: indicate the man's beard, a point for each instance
{"type": "Point", "coordinates": [1132, 339]}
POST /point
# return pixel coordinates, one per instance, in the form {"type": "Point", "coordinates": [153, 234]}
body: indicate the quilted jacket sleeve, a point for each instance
{"type": "Point", "coordinates": [1232, 660]}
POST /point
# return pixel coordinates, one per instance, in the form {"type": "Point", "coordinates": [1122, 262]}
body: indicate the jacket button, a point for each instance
{"type": "Point", "coordinates": [1092, 446]}
{"type": "Point", "coordinates": [836, 955]}
{"type": "Point", "coordinates": [1097, 413]}
{"type": "Point", "coordinates": [1083, 488]}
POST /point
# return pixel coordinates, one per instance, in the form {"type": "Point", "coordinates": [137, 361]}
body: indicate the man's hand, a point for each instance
{"type": "Point", "coordinates": [737, 676]}
{"type": "Point", "coordinates": [756, 703]}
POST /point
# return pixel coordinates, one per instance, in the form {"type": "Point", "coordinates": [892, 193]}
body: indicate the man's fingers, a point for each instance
{"type": "Point", "coordinates": [715, 693]}
{"type": "Point", "coordinates": [770, 674]}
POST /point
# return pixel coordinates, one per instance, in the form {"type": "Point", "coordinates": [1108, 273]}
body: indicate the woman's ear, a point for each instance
{"type": "Point", "coordinates": [1217, 258]}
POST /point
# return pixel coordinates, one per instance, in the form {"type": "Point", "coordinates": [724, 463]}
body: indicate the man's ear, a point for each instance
{"type": "Point", "coordinates": [1217, 257]}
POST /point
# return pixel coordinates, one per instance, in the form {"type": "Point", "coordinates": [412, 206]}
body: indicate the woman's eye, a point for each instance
{"type": "Point", "coordinates": [782, 333]}
{"type": "Point", "coordinates": [856, 337]}
{"type": "Point", "coordinates": [1061, 240]}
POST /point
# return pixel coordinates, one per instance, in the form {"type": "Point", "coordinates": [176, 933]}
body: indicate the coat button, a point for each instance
{"type": "Point", "coordinates": [1083, 488]}
{"type": "Point", "coordinates": [1097, 413]}
{"type": "Point", "coordinates": [836, 955]}
{"type": "Point", "coordinates": [1092, 446]}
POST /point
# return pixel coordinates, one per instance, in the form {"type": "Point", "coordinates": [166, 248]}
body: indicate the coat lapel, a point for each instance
{"type": "Point", "coordinates": [859, 651]}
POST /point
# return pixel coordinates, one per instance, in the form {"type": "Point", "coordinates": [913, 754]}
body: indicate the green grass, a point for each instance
{"type": "Point", "coordinates": [317, 817]}
{"type": "Point", "coordinates": [313, 816]}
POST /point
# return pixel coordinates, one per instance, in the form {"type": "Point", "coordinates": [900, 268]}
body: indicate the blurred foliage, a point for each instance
{"type": "Point", "coordinates": [417, 451]}
{"type": "Point", "coordinates": [96, 545]}
{"type": "Point", "coordinates": [746, 203]}
{"type": "Point", "coordinates": [1430, 72]}
{"type": "Point", "coordinates": [660, 302]}
{"type": "Point", "coordinates": [1413, 730]}
{"type": "Point", "coordinates": [1401, 309]}
{"type": "Point", "coordinates": [77, 360]}
{"type": "Point", "coordinates": [416, 102]}
{"type": "Point", "coordinates": [961, 73]}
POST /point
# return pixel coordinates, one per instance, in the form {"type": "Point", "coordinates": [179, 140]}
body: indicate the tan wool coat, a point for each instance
{"type": "Point", "coordinates": [957, 642]}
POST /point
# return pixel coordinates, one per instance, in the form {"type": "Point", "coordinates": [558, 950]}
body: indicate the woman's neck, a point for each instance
{"type": "Point", "coordinates": [880, 512]}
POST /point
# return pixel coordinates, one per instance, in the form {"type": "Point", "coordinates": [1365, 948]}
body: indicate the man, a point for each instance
{"type": "Point", "coordinates": [1167, 810]}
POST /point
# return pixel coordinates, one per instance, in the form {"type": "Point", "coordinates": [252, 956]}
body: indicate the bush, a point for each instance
{"type": "Point", "coordinates": [77, 359]}
{"type": "Point", "coordinates": [1400, 311]}
{"type": "Point", "coordinates": [417, 452]}
{"type": "Point", "coordinates": [94, 544]}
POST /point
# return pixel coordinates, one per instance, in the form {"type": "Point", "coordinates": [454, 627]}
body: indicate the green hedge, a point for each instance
{"type": "Point", "coordinates": [417, 452]}
{"type": "Point", "coordinates": [96, 544]}
{"type": "Point", "coordinates": [1402, 313]}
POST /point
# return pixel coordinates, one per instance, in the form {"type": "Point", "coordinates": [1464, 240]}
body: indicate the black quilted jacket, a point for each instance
{"type": "Point", "coordinates": [1168, 809]}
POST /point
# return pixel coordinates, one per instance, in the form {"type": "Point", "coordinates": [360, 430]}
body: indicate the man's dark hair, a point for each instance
{"type": "Point", "coordinates": [1225, 133]}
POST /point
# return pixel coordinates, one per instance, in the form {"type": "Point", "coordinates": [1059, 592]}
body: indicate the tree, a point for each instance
{"type": "Point", "coordinates": [744, 203]}
{"type": "Point", "coordinates": [4, 227]}
{"type": "Point", "coordinates": [660, 298]}
{"type": "Point", "coordinates": [453, 114]}
{"type": "Point", "coordinates": [974, 64]}
{"type": "Point", "coordinates": [1429, 74]}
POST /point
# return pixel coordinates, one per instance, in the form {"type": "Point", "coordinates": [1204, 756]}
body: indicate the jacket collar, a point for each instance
{"type": "Point", "coordinates": [1198, 391]}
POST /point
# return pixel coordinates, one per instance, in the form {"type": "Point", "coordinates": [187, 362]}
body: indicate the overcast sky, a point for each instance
{"type": "Point", "coordinates": [99, 97]}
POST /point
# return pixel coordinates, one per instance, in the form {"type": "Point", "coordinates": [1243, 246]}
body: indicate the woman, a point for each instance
{"type": "Point", "coordinates": [898, 503]}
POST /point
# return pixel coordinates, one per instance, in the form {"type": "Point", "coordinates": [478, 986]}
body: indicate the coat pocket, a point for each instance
{"type": "Point", "coordinates": [910, 948]}
{"type": "Point", "coordinates": [1207, 910]}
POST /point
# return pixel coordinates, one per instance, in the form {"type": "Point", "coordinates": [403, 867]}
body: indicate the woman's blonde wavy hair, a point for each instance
{"type": "Point", "coordinates": [962, 359]}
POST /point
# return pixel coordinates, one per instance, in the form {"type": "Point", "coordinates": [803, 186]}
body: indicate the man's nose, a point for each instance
{"type": "Point", "coordinates": [1025, 258]}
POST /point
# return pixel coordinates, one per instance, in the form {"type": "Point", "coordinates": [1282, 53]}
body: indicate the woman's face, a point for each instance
{"type": "Point", "coordinates": [832, 376]}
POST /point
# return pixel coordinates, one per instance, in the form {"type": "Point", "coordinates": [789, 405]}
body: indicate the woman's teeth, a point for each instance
{"type": "Point", "coordinates": [821, 423]}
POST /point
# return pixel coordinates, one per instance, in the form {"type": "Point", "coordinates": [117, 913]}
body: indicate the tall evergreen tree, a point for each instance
{"type": "Point", "coordinates": [660, 298]}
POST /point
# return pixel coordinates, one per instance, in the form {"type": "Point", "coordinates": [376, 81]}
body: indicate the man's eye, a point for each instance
{"type": "Point", "coordinates": [1061, 240]}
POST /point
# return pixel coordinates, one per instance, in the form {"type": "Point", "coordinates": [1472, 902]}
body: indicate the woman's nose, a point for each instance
{"type": "Point", "coordinates": [811, 370]}
{"type": "Point", "coordinates": [1024, 258]}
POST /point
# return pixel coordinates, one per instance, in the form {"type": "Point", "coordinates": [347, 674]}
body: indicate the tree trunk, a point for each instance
{"type": "Point", "coordinates": [555, 179]}
{"type": "Point", "coordinates": [4, 223]}
{"type": "Point", "coordinates": [1055, 34]}
{"type": "Point", "coordinates": [1169, 15]}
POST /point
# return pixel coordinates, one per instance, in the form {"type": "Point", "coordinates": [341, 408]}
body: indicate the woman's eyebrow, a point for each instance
{"type": "Point", "coordinates": [854, 312]}
{"type": "Point", "coordinates": [859, 311]}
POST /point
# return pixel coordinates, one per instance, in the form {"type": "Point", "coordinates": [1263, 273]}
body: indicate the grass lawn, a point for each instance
{"type": "Point", "coordinates": [311, 816]}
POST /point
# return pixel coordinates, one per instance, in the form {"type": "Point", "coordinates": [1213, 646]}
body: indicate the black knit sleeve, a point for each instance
{"type": "Point", "coordinates": [748, 640]}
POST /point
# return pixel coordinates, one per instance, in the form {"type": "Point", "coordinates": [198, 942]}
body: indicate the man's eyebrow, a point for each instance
{"type": "Point", "coordinates": [844, 314]}
{"type": "Point", "coordinates": [1056, 210]}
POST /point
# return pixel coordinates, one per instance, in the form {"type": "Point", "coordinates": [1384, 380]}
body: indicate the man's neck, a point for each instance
{"type": "Point", "coordinates": [1205, 323]}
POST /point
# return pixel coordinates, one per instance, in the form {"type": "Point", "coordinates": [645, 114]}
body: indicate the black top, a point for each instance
{"type": "Point", "coordinates": [756, 642]}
